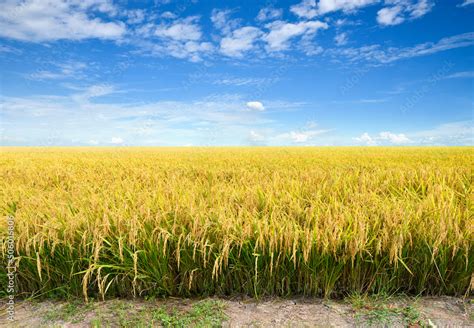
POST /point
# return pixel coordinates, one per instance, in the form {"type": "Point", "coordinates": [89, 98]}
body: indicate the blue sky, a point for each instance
{"type": "Point", "coordinates": [179, 73]}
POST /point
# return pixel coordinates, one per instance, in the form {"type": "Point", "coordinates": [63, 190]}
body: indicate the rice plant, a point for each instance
{"type": "Point", "coordinates": [99, 222]}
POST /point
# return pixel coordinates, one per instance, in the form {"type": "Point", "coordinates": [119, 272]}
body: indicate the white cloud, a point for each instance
{"type": "Point", "coordinates": [8, 49]}
{"type": "Point", "coordinates": [234, 39]}
{"type": "Point", "coordinates": [327, 6]}
{"type": "Point", "coordinates": [180, 38]}
{"type": "Point", "coordinates": [398, 10]}
{"type": "Point", "coordinates": [255, 105]}
{"type": "Point", "coordinates": [256, 137]}
{"type": "Point", "coordinates": [341, 39]}
{"type": "Point", "coordinates": [269, 13]}
{"type": "Point", "coordinates": [466, 3]}
{"type": "Point", "coordinates": [38, 20]}
{"type": "Point", "coordinates": [83, 97]}
{"type": "Point", "coordinates": [460, 75]}
{"type": "Point", "coordinates": [219, 119]}
{"type": "Point", "coordinates": [420, 8]}
{"type": "Point", "coordinates": [362, 101]}
{"type": "Point", "coordinates": [116, 141]}
{"type": "Point", "coordinates": [383, 137]}
{"type": "Point", "coordinates": [305, 9]}
{"type": "Point", "coordinates": [299, 137]}
{"type": "Point", "coordinates": [222, 21]}
{"type": "Point", "coordinates": [190, 49]}
{"type": "Point", "coordinates": [62, 71]}
{"type": "Point", "coordinates": [394, 138]}
{"type": "Point", "coordinates": [366, 139]}
{"type": "Point", "coordinates": [310, 9]}
{"type": "Point", "coordinates": [310, 48]}
{"type": "Point", "coordinates": [281, 32]}
{"type": "Point", "coordinates": [180, 30]}
{"type": "Point", "coordinates": [455, 133]}
{"type": "Point", "coordinates": [374, 53]}
{"type": "Point", "coordinates": [135, 16]}
{"type": "Point", "coordinates": [168, 15]}
{"type": "Point", "coordinates": [390, 16]}
{"type": "Point", "coordinates": [244, 81]}
{"type": "Point", "coordinates": [239, 41]}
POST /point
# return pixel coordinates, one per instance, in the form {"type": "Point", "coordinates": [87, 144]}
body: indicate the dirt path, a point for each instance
{"type": "Point", "coordinates": [213, 312]}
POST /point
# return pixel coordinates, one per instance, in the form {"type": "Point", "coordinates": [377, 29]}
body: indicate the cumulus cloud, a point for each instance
{"type": "Point", "coordinates": [453, 133]}
{"type": "Point", "coordinates": [39, 21]}
{"type": "Point", "coordinates": [180, 38]}
{"type": "Point", "coordinates": [400, 10]}
{"type": "Point", "coordinates": [306, 9]}
{"type": "Point", "coordinates": [327, 6]}
{"type": "Point", "coordinates": [180, 30]}
{"type": "Point", "coordinates": [300, 137]}
{"type": "Point", "coordinates": [394, 138]}
{"type": "Point", "coordinates": [383, 137]}
{"type": "Point", "coordinates": [255, 105]}
{"type": "Point", "coordinates": [390, 16]}
{"type": "Point", "coordinates": [310, 9]}
{"type": "Point", "coordinates": [239, 41]}
{"type": "Point", "coordinates": [366, 139]}
{"type": "Point", "coordinates": [234, 39]}
{"type": "Point", "coordinates": [282, 32]}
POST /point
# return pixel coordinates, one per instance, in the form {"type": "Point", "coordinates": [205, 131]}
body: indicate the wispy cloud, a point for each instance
{"type": "Point", "coordinates": [244, 81]}
{"type": "Point", "coordinates": [269, 13]}
{"type": "Point", "coordinates": [362, 101]}
{"type": "Point", "coordinates": [460, 75]}
{"type": "Point", "coordinates": [375, 53]}
{"type": "Point", "coordinates": [466, 3]}
{"type": "Point", "coordinates": [70, 69]}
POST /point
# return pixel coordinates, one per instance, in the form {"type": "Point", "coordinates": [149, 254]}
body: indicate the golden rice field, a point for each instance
{"type": "Point", "coordinates": [100, 222]}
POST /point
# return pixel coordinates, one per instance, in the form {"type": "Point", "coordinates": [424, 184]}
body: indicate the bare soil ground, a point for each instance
{"type": "Point", "coordinates": [245, 312]}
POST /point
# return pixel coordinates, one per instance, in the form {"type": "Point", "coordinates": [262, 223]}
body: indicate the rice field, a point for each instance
{"type": "Point", "coordinates": [107, 222]}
